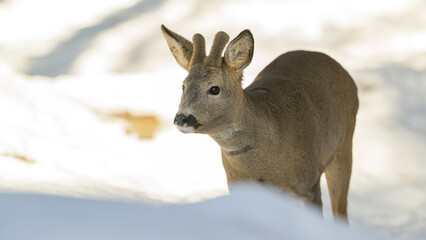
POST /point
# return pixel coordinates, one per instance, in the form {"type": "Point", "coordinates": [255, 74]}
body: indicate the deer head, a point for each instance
{"type": "Point", "coordinates": [212, 95]}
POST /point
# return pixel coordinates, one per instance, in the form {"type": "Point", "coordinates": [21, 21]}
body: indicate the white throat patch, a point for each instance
{"type": "Point", "coordinates": [227, 133]}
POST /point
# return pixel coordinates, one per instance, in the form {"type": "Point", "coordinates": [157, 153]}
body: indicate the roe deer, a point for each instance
{"type": "Point", "coordinates": [294, 122]}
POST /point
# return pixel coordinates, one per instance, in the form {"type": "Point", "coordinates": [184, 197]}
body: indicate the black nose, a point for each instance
{"type": "Point", "coordinates": [189, 121]}
{"type": "Point", "coordinates": [180, 120]}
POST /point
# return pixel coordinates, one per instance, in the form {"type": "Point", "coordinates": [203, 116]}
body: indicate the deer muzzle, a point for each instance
{"type": "Point", "coordinates": [186, 123]}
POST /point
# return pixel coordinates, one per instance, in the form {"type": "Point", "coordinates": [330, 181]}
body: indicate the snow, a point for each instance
{"type": "Point", "coordinates": [65, 67]}
{"type": "Point", "coordinates": [48, 124]}
{"type": "Point", "coordinates": [251, 212]}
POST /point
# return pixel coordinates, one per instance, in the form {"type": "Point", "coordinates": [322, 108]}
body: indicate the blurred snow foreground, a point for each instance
{"type": "Point", "coordinates": [250, 212]}
{"type": "Point", "coordinates": [65, 79]}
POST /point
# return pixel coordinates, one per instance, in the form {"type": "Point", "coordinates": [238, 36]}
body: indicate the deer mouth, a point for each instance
{"type": "Point", "coordinates": [187, 129]}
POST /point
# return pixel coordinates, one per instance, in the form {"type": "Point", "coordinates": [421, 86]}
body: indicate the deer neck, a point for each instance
{"type": "Point", "coordinates": [239, 136]}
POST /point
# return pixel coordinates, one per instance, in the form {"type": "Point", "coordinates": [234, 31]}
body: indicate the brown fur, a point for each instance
{"type": "Point", "coordinates": [294, 122]}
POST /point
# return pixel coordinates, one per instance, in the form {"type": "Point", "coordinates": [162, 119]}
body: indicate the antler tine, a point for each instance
{"type": "Point", "coordinates": [199, 53]}
{"type": "Point", "coordinates": [215, 56]}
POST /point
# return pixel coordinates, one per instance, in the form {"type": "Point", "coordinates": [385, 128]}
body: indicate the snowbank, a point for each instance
{"type": "Point", "coordinates": [250, 212]}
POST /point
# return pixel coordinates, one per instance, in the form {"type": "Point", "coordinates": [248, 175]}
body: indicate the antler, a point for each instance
{"type": "Point", "coordinates": [199, 50]}
{"type": "Point", "coordinates": [199, 53]}
{"type": "Point", "coordinates": [215, 57]}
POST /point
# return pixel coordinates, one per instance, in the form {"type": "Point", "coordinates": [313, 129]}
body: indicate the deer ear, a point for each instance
{"type": "Point", "coordinates": [239, 52]}
{"type": "Point", "coordinates": [180, 47]}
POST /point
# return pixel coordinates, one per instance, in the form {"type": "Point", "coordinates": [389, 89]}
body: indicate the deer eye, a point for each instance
{"type": "Point", "coordinates": [214, 90]}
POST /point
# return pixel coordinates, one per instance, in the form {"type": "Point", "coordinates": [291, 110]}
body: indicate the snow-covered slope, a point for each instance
{"type": "Point", "coordinates": [250, 212]}
{"type": "Point", "coordinates": [72, 148]}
